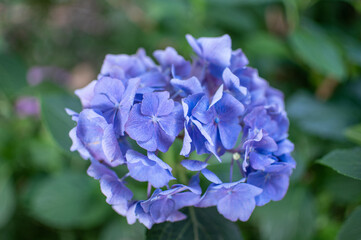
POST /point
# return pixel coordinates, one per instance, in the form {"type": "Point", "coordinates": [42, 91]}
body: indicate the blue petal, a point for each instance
{"type": "Point", "coordinates": [158, 174]}
{"type": "Point", "coordinates": [215, 50]}
{"type": "Point", "coordinates": [274, 183]}
{"type": "Point", "coordinates": [259, 161]}
{"type": "Point", "coordinates": [188, 87]}
{"type": "Point", "coordinates": [86, 94]}
{"type": "Point", "coordinates": [138, 126]}
{"type": "Point", "coordinates": [211, 176]}
{"type": "Point", "coordinates": [217, 96]}
{"type": "Point", "coordinates": [115, 191]}
{"type": "Point", "coordinates": [194, 165]}
{"type": "Point", "coordinates": [97, 170]}
{"type": "Point", "coordinates": [229, 134]}
{"type": "Point", "coordinates": [285, 146]}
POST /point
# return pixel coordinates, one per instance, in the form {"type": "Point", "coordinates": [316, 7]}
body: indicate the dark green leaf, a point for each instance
{"type": "Point", "coordinates": [326, 120]}
{"type": "Point", "coordinates": [201, 224]}
{"type": "Point", "coordinates": [68, 200]}
{"type": "Point", "coordinates": [291, 218]}
{"type": "Point", "coordinates": [55, 118]}
{"type": "Point", "coordinates": [345, 161]}
{"type": "Point", "coordinates": [354, 133]}
{"type": "Point", "coordinates": [12, 74]}
{"type": "Point", "coordinates": [343, 189]}
{"type": "Point", "coordinates": [7, 200]}
{"type": "Point", "coordinates": [351, 230]}
{"type": "Point", "coordinates": [318, 51]}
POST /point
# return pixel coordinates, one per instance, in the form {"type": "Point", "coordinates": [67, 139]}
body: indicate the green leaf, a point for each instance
{"type": "Point", "coordinates": [345, 161]}
{"type": "Point", "coordinates": [264, 44]}
{"type": "Point", "coordinates": [120, 230]}
{"type": "Point", "coordinates": [284, 220]}
{"type": "Point", "coordinates": [44, 156]}
{"type": "Point", "coordinates": [242, 2]}
{"type": "Point", "coordinates": [314, 116]}
{"type": "Point", "coordinates": [318, 51]}
{"type": "Point", "coordinates": [12, 74]}
{"type": "Point", "coordinates": [68, 200]}
{"type": "Point", "coordinates": [351, 229]}
{"type": "Point", "coordinates": [354, 133]}
{"type": "Point", "coordinates": [201, 224]}
{"type": "Point", "coordinates": [57, 121]}
{"type": "Point", "coordinates": [7, 200]}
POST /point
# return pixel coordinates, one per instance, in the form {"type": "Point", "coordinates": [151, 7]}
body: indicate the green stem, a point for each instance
{"type": "Point", "coordinates": [195, 223]}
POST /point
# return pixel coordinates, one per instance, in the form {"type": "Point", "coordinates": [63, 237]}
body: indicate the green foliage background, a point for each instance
{"type": "Point", "coordinates": [310, 49]}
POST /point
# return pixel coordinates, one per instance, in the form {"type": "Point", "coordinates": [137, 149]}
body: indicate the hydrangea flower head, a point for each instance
{"type": "Point", "coordinates": [137, 109]}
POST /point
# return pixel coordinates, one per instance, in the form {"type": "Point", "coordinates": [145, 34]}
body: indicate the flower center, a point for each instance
{"type": "Point", "coordinates": [155, 119]}
{"type": "Point", "coordinates": [216, 120]}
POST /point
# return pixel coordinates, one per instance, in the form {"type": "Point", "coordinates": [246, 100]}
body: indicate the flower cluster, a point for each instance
{"type": "Point", "coordinates": [215, 104]}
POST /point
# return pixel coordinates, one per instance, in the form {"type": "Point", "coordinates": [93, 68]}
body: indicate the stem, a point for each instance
{"type": "Point", "coordinates": [240, 167]}
{"type": "Point", "coordinates": [124, 177]}
{"type": "Point", "coordinates": [149, 189]}
{"type": "Point", "coordinates": [195, 223]}
{"type": "Point", "coordinates": [176, 94]}
{"type": "Point", "coordinates": [209, 156]}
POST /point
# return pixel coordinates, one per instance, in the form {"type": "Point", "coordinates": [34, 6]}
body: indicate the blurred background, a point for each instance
{"type": "Point", "coordinates": [310, 49]}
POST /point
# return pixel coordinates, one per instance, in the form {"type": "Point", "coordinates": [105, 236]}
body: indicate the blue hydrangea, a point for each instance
{"type": "Point", "coordinates": [215, 104]}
